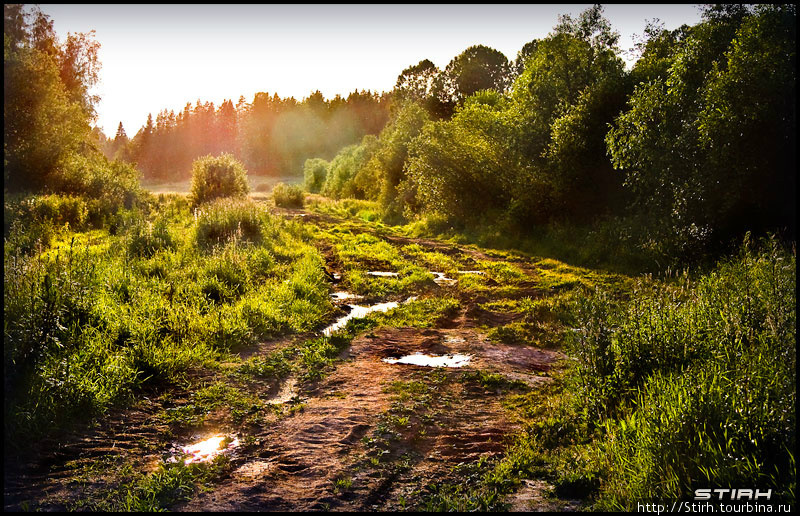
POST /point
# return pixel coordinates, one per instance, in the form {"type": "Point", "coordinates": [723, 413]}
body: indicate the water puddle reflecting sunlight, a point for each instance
{"type": "Point", "coordinates": [440, 279]}
{"type": "Point", "coordinates": [341, 296]}
{"type": "Point", "coordinates": [383, 273]}
{"type": "Point", "coordinates": [421, 359]}
{"type": "Point", "coordinates": [358, 311]}
{"type": "Point", "coordinates": [208, 449]}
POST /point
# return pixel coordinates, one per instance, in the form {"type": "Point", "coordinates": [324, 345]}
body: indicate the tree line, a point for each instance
{"type": "Point", "coordinates": [270, 135]}
{"type": "Point", "coordinates": [682, 154]}
{"type": "Point", "coordinates": [677, 157]}
{"type": "Point", "coordinates": [274, 136]}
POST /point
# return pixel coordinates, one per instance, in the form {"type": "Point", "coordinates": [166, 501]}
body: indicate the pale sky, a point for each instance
{"type": "Point", "coordinates": [163, 56]}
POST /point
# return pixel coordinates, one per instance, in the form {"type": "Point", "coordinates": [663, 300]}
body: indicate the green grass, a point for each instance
{"type": "Point", "coordinates": [676, 383]}
{"type": "Point", "coordinates": [92, 319]}
{"type": "Point", "coordinates": [171, 483]}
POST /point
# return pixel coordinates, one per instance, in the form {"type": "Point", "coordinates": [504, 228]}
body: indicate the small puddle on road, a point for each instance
{"type": "Point", "coordinates": [421, 359]}
{"type": "Point", "coordinates": [358, 311]}
{"type": "Point", "coordinates": [440, 279]}
{"type": "Point", "coordinates": [453, 340]}
{"type": "Point", "coordinates": [207, 449]}
{"type": "Point", "coordinates": [341, 296]}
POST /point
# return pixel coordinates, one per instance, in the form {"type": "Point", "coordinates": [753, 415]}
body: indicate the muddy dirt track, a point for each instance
{"type": "Point", "coordinates": [371, 435]}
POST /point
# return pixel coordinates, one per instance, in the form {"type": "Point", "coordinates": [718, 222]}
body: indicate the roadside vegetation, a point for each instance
{"type": "Point", "coordinates": [633, 231]}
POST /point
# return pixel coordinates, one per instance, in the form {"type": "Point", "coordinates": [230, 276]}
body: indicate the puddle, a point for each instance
{"type": "Point", "coordinates": [421, 359]}
{"type": "Point", "coordinates": [440, 279]}
{"type": "Point", "coordinates": [208, 449]}
{"type": "Point", "coordinates": [472, 272]}
{"type": "Point", "coordinates": [357, 311]}
{"type": "Point", "coordinates": [453, 340]}
{"type": "Point", "coordinates": [383, 273]}
{"type": "Point", "coordinates": [336, 276]}
{"type": "Point", "coordinates": [341, 296]}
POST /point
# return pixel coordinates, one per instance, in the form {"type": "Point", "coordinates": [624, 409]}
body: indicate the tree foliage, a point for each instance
{"type": "Point", "coordinates": [315, 170]}
{"type": "Point", "coordinates": [705, 143]}
{"type": "Point", "coordinates": [46, 104]}
{"type": "Point", "coordinates": [477, 68]}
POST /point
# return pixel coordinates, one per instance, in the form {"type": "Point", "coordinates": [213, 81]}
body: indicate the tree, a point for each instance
{"type": "Point", "coordinates": [476, 68]}
{"type": "Point", "coordinates": [705, 147]}
{"type": "Point", "coordinates": [527, 50]}
{"type": "Point", "coordinates": [44, 121]}
{"type": "Point", "coordinates": [120, 146]}
{"type": "Point", "coordinates": [315, 170]}
{"type": "Point", "coordinates": [539, 153]}
{"type": "Point", "coordinates": [461, 168]}
{"type": "Point", "coordinates": [748, 125]}
{"type": "Point", "coordinates": [416, 83]}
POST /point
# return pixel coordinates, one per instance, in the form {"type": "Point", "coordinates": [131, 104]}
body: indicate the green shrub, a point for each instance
{"type": "Point", "coordinates": [345, 166]}
{"type": "Point", "coordinates": [315, 171]}
{"type": "Point", "coordinates": [288, 196]}
{"type": "Point", "coordinates": [107, 186]}
{"type": "Point", "coordinates": [214, 177]}
{"type": "Point", "coordinates": [226, 219]}
{"type": "Point", "coordinates": [60, 209]}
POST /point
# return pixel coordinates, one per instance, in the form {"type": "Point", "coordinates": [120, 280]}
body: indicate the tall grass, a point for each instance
{"type": "Point", "coordinates": [225, 219]}
{"type": "Point", "coordinates": [693, 383]}
{"type": "Point", "coordinates": [88, 322]}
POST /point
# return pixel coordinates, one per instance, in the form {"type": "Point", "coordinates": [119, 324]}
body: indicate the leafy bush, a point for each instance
{"type": "Point", "coordinates": [288, 196]}
{"type": "Point", "coordinates": [214, 177]}
{"type": "Point", "coordinates": [226, 219]}
{"type": "Point", "coordinates": [58, 209]}
{"type": "Point", "coordinates": [314, 172]}
{"type": "Point", "coordinates": [107, 186]}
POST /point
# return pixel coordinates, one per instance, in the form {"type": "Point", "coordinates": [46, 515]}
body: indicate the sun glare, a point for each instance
{"type": "Point", "coordinates": [209, 449]}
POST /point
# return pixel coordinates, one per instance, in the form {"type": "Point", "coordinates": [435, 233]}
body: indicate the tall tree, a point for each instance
{"type": "Point", "coordinates": [476, 68]}
{"type": "Point", "coordinates": [45, 119]}
{"type": "Point", "coordinates": [705, 146]}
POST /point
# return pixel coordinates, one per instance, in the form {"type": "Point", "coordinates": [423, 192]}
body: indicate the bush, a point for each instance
{"type": "Point", "coordinates": [346, 165]}
{"type": "Point", "coordinates": [107, 186]}
{"type": "Point", "coordinates": [315, 171]}
{"type": "Point", "coordinates": [214, 177]}
{"type": "Point", "coordinates": [288, 196]}
{"type": "Point", "coordinates": [56, 210]}
{"type": "Point", "coordinates": [225, 219]}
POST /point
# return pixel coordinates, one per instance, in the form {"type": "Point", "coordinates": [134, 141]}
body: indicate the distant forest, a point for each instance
{"type": "Point", "coordinates": [274, 136]}
{"type": "Point", "coordinates": [271, 135]}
